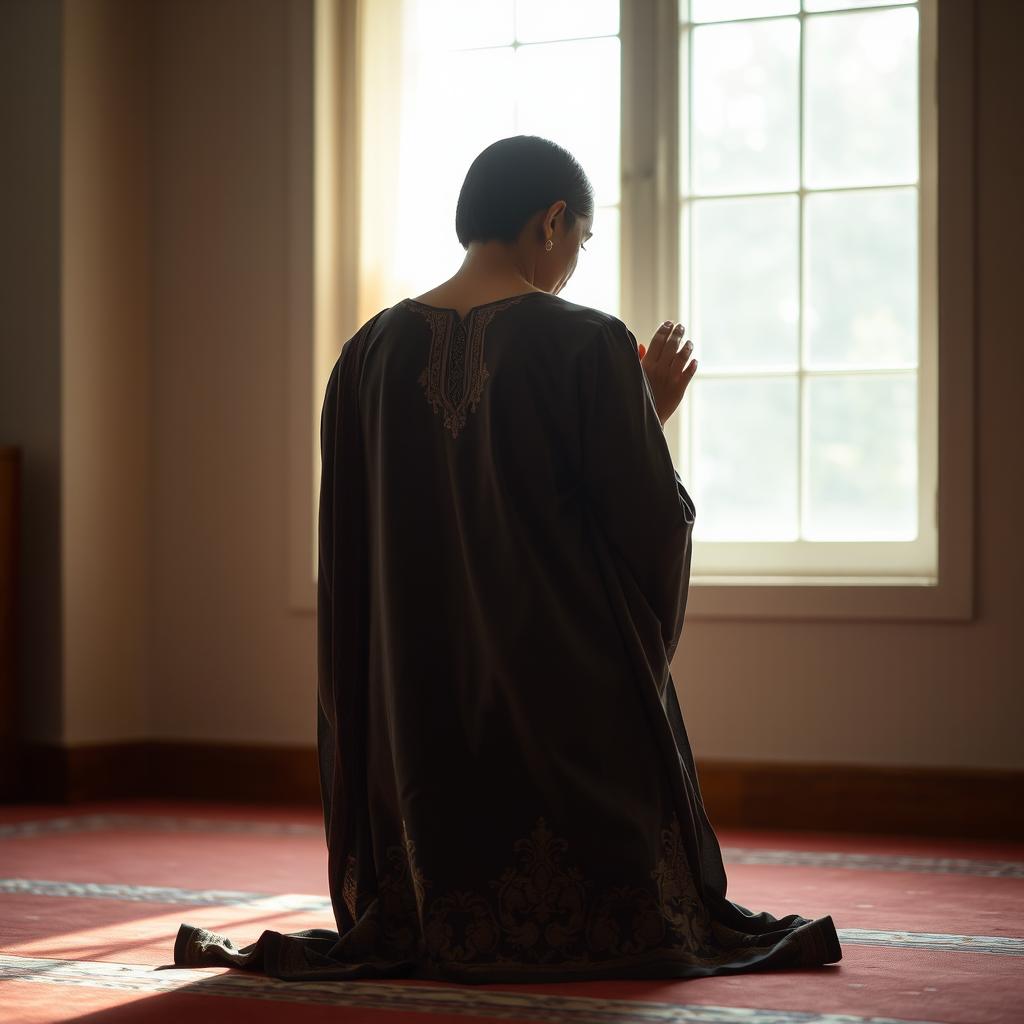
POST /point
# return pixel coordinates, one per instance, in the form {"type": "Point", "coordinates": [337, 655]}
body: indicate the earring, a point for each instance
{"type": "Point", "coordinates": [549, 245]}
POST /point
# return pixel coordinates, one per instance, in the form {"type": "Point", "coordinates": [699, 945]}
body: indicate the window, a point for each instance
{"type": "Point", "coordinates": [808, 274]}
{"type": "Point", "coordinates": [538, 68]}
{"type": "Point", "coordinates": [766, 171]}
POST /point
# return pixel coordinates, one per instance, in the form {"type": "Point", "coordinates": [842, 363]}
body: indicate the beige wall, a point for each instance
{"type": "Point", "coordinates": [30, 370]}
{"type": "Point", "coordinates": [230, 661]}
{"type": "Point", "coordinates": [74, 358]}
{"type": "Point", "coordinates": [106, 379]}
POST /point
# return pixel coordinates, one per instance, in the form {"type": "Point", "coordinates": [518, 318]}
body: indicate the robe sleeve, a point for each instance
{"type": "Point", "coordinates": [629, 480]}
{"type": "Point", "coordinates": [325, 541]}
{"type": "Point", "coordinates": [342, 615]}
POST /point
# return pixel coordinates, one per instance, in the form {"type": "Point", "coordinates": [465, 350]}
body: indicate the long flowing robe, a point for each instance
{"type": "Point", "coordinates": [508, 788]}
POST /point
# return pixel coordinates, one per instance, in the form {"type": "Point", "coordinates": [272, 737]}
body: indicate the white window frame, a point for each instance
{"type": "Point", "coordinates": [650, 255]}
{"type": "Point", "coordinates": [653, 128]}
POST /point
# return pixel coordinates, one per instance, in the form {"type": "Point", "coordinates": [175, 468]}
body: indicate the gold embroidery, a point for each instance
{"type": "Point", "coordinates": [461, 928]}
{"type": "Point", "coordinates": [677, 894]}
{"type": "Point", "coordinates": [626, 921]}
{"type": "Point", "coordinates": [541, 903]}
{"type": "Point", "coordinates": [541, 915]}
{"type": "Point", "coordinates": [455, 374]}
{"type": "Point", "coordinates": [400, 902]}
{"type": "Point", "coordinates": [348, 886]}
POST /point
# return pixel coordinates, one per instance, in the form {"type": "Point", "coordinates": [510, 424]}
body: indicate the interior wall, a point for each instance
{"type": "Point", "coordinates": [30, 349]}
{"type": "Point", "coordinates": [105, 358]}
{"type": "Point", "coordinates": [74, 359]}
{"type": "Point", "coordinates": [232, 662]}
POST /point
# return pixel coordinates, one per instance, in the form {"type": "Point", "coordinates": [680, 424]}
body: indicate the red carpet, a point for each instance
{"type": "Point", "coordinates": [932, 930]}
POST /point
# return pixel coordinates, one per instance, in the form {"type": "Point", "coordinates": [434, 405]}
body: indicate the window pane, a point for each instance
{"type": "Point", "coordinates": [861, 98]}
{"type": "Point", "coordinates": [595, 282]}
{"type": "Point", "coordinates": [861, 296]}
{"type": "Point", "coordinates": [452, 24]}
{"type": "Point", "coordinates": [746, 462]}
{"type": "Point", "coordinates": [538, 20]}
{"type": "Point", "coordinates": [745, 265]}
{"type": "Point", "coordinates": [835, 5]}
{"type": "Point", "coordinates": [745, 104]}
{"type": "Point", "coordinates": [429, 188]}
{"type": "Point", "coordinates": [569, 93]}
{"type": "Point", "coordinates": [862, 459]}
{"type": "Point", "coordinates": [724, 10]}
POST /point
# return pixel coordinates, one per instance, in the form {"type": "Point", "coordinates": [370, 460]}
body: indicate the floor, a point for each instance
{"type": "Point", "coordinates": [932, 930]}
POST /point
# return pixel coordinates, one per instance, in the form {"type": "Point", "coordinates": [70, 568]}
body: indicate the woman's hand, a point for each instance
{"type": "Point", "coordinates": [665, 364]}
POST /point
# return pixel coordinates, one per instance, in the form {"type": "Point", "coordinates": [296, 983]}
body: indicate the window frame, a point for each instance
{"type": "Point", "coordinates": [650, 253]}
{"type": "Point", "coordinates": [652, 126]}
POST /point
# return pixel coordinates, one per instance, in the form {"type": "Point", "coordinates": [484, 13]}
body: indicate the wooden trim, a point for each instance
{"type": "Point", "coordinates": [167, 769]}
{"type": "Point", "coordinates": [955, 803]}
{"type": "Point", "coordinates": [10, 539]}
{"type": "Point", "coordinates": [938, 802]}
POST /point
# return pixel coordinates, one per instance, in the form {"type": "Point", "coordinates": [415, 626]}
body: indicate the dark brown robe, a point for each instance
{"type": "Point", "coordinates": [508, 788]}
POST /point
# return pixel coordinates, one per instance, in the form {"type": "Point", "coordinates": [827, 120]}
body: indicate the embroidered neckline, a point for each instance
{"type": "Point", "coordinates": [472, 309]}
{"type": "Point", "coordinates": [454, 377]}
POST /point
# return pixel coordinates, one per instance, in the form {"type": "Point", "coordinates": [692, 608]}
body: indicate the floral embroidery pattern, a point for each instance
{"type": "Point", "coordinates": [462, 928]}
{"type": "Point", "coordinates": [677, 894]}
{"type": "Point", "coordinates": [541, 903]}
{"type": "Point", "coordinates": [455, 374]}
{"type": "Point", "coordinates": [543, 912]}
{"type": "Point", "coordinates": [348, 886]}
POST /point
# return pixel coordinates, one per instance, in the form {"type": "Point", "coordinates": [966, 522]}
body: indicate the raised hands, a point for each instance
{"type": "Point", "coordinates": [667, 367]}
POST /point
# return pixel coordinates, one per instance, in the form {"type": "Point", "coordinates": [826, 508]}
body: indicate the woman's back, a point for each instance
{"type": "Point", "coordinates": [509, 791]}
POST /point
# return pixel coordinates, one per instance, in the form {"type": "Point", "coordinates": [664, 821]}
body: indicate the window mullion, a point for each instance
{"type": "Point", "coordinates": [801, 201]}
{"type": "Point", "coordinates": [650, 159]}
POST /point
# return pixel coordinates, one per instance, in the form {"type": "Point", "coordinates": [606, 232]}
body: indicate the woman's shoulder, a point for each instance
{"type": "Point", "coordinates": [585, 316]}
{"type": "Point", "coordinates": [583, 323]}
{"type": "Point", "coordinates": [597, 329]}
{"type": "Point", "coordinates": [586, 325]}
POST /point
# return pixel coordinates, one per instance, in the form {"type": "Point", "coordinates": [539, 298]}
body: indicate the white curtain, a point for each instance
{"type": "Point", "coordinates": [366, 65]}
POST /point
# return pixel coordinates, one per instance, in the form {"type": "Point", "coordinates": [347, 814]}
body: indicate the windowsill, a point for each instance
{"type": "Point", "coordinates": [878, 598]}
{"type": "Point", "coordinates": [828, 582]}
{"type": "Point", "coordinates": [794, 598]}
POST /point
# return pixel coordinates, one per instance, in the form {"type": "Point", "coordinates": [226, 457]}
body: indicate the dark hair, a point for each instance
{"type": "Point", "coordinates": [514, 178]}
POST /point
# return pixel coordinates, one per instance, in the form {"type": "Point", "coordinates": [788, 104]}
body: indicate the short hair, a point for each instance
{"type": "Point", "coordinates": [511, 180]}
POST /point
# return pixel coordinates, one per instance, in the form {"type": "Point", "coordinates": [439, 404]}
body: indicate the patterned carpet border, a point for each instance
{"type": "Point", "coordinates": [976, 867]}
{"type": "Point", "coordinates": [999, 945]}
{"type": "Point", "coordinates": [419, 997]}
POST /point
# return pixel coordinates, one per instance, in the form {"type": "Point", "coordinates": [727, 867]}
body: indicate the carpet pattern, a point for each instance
{"type": "Point", "coordinates": [932, 930]}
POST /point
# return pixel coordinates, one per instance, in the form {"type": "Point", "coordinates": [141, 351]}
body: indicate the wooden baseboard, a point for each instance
{"type": "Point", "coordinates": [961, 803]}
{"type": "Point", "coordinates": [170, 769]}
{"type": "Point", "coordinates": [951, 803]}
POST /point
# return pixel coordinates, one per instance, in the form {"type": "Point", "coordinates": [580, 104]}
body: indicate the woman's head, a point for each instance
{"type": "Point", "coordinates": [521, 191]}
